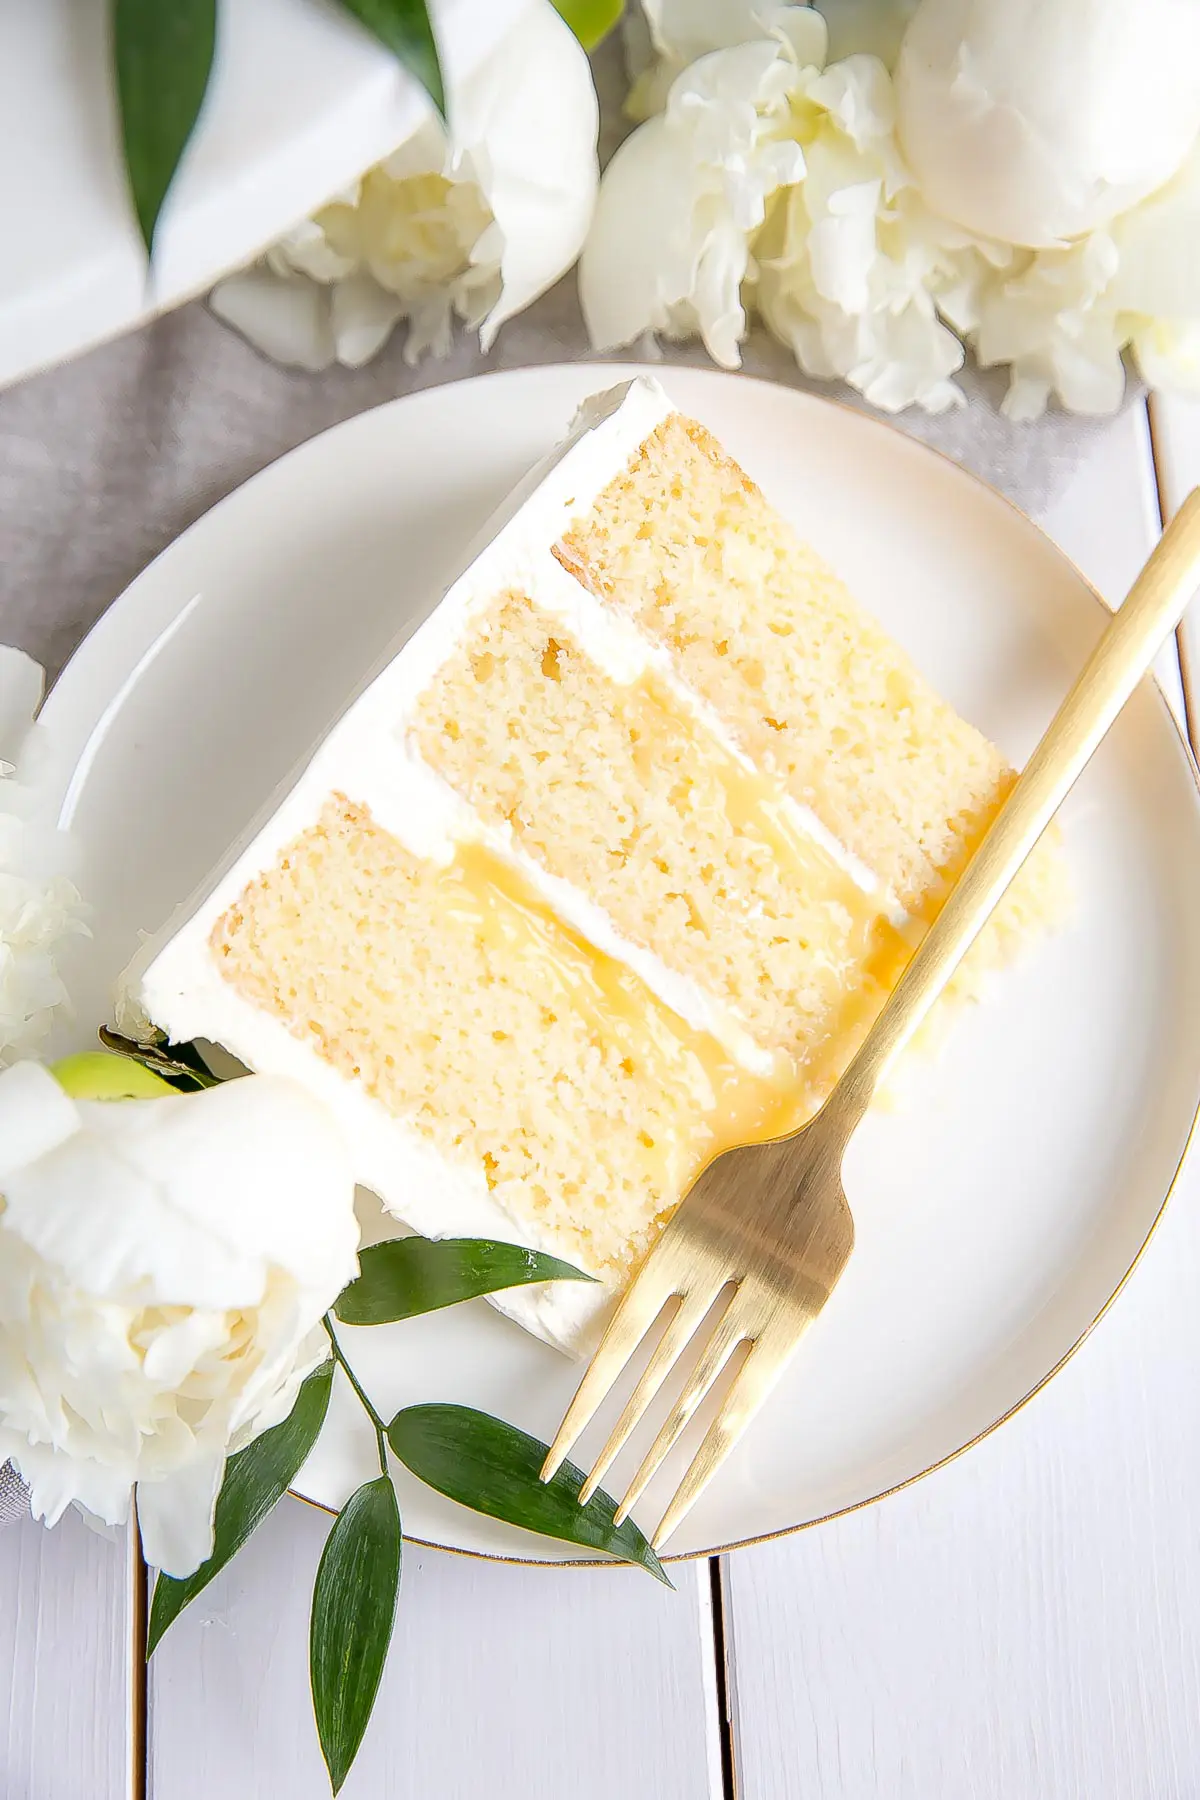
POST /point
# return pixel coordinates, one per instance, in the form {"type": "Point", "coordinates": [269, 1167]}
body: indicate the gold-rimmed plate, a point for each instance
{"type": "Point", "coordinates": [181, 714]}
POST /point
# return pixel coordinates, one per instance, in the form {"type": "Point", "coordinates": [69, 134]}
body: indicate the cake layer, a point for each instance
{"type": "Point", "coordinates": [685, 545]}
{"type": "Point", "coordinates": [458, 1001]}
{"type": "Point", "coordinates": [616, 789]}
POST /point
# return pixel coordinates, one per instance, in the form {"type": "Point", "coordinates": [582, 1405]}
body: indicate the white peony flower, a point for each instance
{"type": "Point", "coordinates": [1168, 355]}
{"type": "Point", "coordinates": [1062, 318]}
{"type": "Point", "coordinates": [769, 175]}
{"type": "Point", "coordinates": [679, 32]}
{"type": "Point", "coordinates": [1036, 121]}
{"type": "Point", "coordinates": [475, 228]}
{"type": "Point", "coordinates": [852, 266]}
{"type": "Point", "coordinates": [1156, 288]}
{"type": "Point", "coordinates": [1051, 323]}
{"type": "Point", "coordinates": [164, 1267]}
{"type": "Point", "coordinates": [681, 200]}
{"type": "Point", "coordinates": [773, 182]}
{"type": "Point", "coordinates": [40, 908]}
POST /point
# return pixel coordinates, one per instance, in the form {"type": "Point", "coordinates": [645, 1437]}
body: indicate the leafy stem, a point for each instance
{"type": "Point", "coordinates": [364, 1397]}
{"type": "Point", "coordinates": [474, 1459]}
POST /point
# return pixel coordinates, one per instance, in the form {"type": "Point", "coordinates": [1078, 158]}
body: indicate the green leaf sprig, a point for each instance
{"type": "Point", "coordinates": [353, 1612]}
{"type": "Point", "coordinates": [162, 58]}
{"type": "Point", "coordinates": [473, 1458]}
{"type": "Point", "coordinates": [408, 1276]}
{"type": "Point", "coordinates": [493, 1468]}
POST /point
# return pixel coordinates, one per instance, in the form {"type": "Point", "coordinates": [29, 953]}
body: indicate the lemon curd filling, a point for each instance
{"type": "Point", "coordinates": [621, 1014]}
{"type": "Point", "coordinates": [617, 789]}
{"type": "Point", "coordinates": [511, 1042]}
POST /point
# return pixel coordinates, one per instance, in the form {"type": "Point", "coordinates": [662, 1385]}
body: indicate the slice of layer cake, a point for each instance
{"type": "Point", "coordinates": [610, 868]}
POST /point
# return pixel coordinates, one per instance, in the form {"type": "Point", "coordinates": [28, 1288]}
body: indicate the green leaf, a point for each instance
{"type": "Point", "coordinates": [162, 55]}
{"type": "Point", "coordinates": [493, 1468]}
{"type": "Point", "coordinates": [408, 1276]}
{"type": "Point", "coordinates": [590, 20]}
{"type": "Point", "coordinates": [254, 1480]}
{"type": "Point", "coordinates": [353, 1611]}
{"type": "Point", "coordinates": [180, 1065]}
{"type": "Point", "coordinates": [405, 28]}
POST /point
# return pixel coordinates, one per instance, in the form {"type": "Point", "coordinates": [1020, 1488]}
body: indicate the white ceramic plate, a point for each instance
{"type": "Point", "coordinates": [1000, 1209]}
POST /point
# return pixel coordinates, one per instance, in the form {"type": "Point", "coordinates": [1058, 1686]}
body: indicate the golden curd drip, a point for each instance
{"type": "Point", "coordinates": [757, 805]}
{"type": "Point", "coordinates": [505, 910]}
{"type": "Point", "coordinates": [460, 999]}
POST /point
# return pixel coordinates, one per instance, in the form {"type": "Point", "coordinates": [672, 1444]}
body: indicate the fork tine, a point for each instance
{"type": "Point", "coordinates": [684, 1323]}
{"type": "Point", "coordinates": [636, 1312]}
{"type": "Point", "coordinates": [730, 1332]}
{"type": "Point", "coordinates": [754, 1380]}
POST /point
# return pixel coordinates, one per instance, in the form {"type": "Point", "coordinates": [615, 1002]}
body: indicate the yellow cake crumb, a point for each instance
{"type": "Point", "coordinates": [522, 1053]}
{"type": "Point", "coordinates": [613, 788]}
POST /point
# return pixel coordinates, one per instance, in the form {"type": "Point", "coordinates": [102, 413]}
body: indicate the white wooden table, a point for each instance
{"type": "Point", "coordinates": [1024, 1625]}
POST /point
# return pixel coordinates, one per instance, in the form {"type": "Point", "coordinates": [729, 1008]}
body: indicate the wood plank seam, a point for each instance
{"type": "Point", "coordinates": [139, 1758]}
{"type": "Point", "coordinates": [1188, 674]}
{"type": "Point", "coordinates": [721, 1672]}
{"type": "Point", "coordinates": [835, 1675]}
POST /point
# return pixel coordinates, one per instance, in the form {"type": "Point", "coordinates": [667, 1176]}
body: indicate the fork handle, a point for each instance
{"type": "Point", "coordinates": [1155, 604]}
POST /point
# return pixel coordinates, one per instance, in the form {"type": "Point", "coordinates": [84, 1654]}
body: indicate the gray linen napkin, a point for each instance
{"type": "Point", "coordinates": [104, 462]}
{"type": "Point", "coordinates": [14, 1495]}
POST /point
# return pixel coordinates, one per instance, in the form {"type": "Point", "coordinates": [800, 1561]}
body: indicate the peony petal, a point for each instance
{"type": "Point", "coordinates": [857, 94]}
{"type": "Point", "coordinates": [175, 1513]}
{"type": "Point", "coordinates": [36, 1116]}
{"type": "Point", "coordinates": [1159, 248]}
{"type": "Point", "coordinates": [682, 30]}
{"type": "Point", "coordinates": [639, 234]}
{"type": "Point", "coordinates": [1089, 375]}
{"type": "Point", "coordinates": [362, 317]}
{"type": "Point", "coordinates": [1035, 123]}
{"type": "Point", "coordinates": [1028, 395]}
{"type": "Point", "coordinates": [57, 1481]}
{"type": "Point", "coordinates": [287, 318]}
{"type": "Point", "coordinates": [669, 249]}
{"type": "Point", "coordinates": [533, 110]}
{"type": "Point", "coordinates": [720, 317]}
{"type": "Point", "coordinates": [426, 152]}
{"type": "Point", "coordinates": [189, 1196]}
{"type": "Point", "coordinates": [258, 1164]}
{"type": "Point", "coordinates": [175, 1351]}
{"type": "Point", "coordinates": [1168, 355]}
{"type": "Point", "coordinates": [88, 1211]}
{"type": "Point", "coordinates": [306, 250]}
{"type": "Point", "coordinates": [842, 247]}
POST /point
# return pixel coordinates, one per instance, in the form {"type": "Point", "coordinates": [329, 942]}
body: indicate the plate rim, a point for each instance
{"type": "Point", "coordinates": [619, 371]}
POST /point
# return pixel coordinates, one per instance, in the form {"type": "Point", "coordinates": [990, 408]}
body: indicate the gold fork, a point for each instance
{"type": "Point", "coordinates": [765, 1231]}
